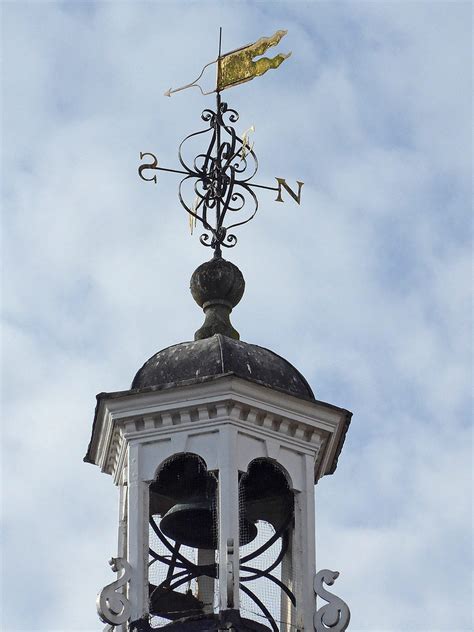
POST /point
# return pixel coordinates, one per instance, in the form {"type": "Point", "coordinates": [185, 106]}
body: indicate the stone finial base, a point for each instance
{"type": "Point", "coordinates": [217, 286]}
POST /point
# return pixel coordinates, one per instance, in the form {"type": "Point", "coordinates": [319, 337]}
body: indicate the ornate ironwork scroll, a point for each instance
{"type": "Point", "coordinates": [283, 532]}
{"type": "Point", "coordinates": [220, 179]}
{"type": "Point", "coordinates": [335, 615]}
{"type": "Point", "coordinates": [113, 607]}
{"type": "Point", "coordinates": [181, 570]}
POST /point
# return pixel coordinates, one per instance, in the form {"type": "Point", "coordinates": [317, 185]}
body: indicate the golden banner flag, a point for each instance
{"type": "Point", "coordinates": [239, 66]}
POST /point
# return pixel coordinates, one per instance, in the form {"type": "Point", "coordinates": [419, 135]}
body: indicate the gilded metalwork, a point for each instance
{"type": "Point", "coordinates": [240, 65]}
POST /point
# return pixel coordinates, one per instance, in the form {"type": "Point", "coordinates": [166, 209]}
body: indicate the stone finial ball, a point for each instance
{"type": "Point", "coordinates": [217, 280]}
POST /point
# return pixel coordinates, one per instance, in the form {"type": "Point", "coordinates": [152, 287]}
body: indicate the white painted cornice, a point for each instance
{"type": "Point", "coordinates": [308, 426]}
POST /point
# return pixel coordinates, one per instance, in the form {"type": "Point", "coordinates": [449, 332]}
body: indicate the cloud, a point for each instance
{"type": "Point", "coordinates": [366, 284]}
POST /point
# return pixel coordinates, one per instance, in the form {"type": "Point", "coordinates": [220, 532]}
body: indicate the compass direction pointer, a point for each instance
{"type": "Point", "coordinates": [154, 165]}
{"type": "Point", "coordinates": [283, 185]}
{"type": "Point", "coordinates": [151, 165]}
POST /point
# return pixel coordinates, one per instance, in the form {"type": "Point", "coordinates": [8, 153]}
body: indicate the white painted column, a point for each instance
{"type": "Point", "coordinates": [122, 530]}
{"type": "Point", "coordinates": [137, 536]}
{"type": "Point", "coordinates": [228, 496]}
{"type": "Point", "coordinates": [308, 569]}
{"type": "Point", "coordinates": [122, 537]}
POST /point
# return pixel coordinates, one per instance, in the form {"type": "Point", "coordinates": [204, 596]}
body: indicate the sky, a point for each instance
{"type": "Point", "coordinates": [364, 287]}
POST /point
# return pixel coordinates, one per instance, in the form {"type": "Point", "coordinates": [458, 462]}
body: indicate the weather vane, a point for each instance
{"type": "Point", "coordinates": [218, 181]}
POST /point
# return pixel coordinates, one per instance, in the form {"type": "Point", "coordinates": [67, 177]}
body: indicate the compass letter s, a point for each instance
{"type": "Point", "coordinates": [282, 184]}
{"type": "Point", "coordinates": [151, 165]}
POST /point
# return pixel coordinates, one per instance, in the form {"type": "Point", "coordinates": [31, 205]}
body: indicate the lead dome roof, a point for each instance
{"type": "Point", "coordinates": [220, 355]}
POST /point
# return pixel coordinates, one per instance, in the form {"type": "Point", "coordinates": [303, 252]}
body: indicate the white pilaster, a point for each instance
{"type": "Point", "coordinates": [307, 530]}
{"type": "Point", "coordinates": [137, 535]}
{"type": "Point", "coordinates": [228, 511]}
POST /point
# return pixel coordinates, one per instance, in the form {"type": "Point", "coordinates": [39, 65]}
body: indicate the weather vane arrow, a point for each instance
{"type": "Point", "coordinates": [218, 181]}
{"type": "Point", "coordinates": [193, 84]}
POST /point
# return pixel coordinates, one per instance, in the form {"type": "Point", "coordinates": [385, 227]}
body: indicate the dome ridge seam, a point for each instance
{"type": "Point", "coordinates": [221, 351]}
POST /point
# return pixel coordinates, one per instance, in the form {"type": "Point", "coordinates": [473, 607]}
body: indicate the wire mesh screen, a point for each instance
{"type": "Point", "coordinates": [266, 527]}
{"type": "Point", "coordinates": [183, 536]}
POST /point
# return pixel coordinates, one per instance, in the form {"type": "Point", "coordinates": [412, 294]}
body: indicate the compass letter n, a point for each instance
{"type": "Point", "coordinates": [283, 185]}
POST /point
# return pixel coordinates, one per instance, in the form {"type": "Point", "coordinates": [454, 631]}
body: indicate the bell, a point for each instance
{"type": "Point", "coordinates": [184, 495]}
{"type": "Point", "coordinates": [194, 524]}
